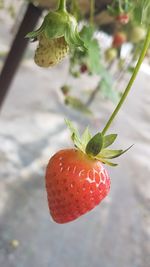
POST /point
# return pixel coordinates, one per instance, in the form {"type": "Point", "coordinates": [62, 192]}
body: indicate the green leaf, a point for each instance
{"type": "Point", "coordinates": [95, 145]}
{"type": "Point", "coordinates": [93, 47]}
{"type": "Point", "coordinates": [146, 13]}
{"type": "Point", "coordinates": [111, 10]}
{"type": "Point", "coordinates": [86, 136]}
{"type": "Point", "coordinates": [142, 12]}
{"type": "Point", "coordinates": [74, 135]}
{"type": "Point", "coordinates": [77, 104]}
{"type": "Point", "coordinates": [109, 139]}
{"type": "Point", "coordinates": [110, 154]}
{"type": "Point", "coordinates": [95, 65]}
{"type": "Point", "coordinates": [87, 33]}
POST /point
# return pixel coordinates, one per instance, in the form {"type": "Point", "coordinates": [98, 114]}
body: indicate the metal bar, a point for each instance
{"type": "Point", "coordinates": [17, 49]}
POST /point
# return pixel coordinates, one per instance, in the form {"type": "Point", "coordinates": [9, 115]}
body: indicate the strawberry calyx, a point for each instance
{"type": "Point", "coordinates": [95, 147]}
{"type": "Point", "coordinates": [58, 24]}
{"type": "Point", "coordinates": [119, 8]}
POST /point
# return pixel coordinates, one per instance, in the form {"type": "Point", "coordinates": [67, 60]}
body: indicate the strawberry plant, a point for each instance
{"type": "Point", "coordinates": [76, 179]}
{"type": "Point", "coordinates": [88, 55]}
{"type": "Point", "coordinates": [57, 33]}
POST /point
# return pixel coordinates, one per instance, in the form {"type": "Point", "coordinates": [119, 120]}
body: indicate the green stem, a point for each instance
{"type": "Point", "coordinates": [120, 6]}
{"type": "Point", "coordinates": [128, 88]}
{"type": "Point", "coordinates": [62, 5]}
{"type": "Point", "coordinates": [92, 10]}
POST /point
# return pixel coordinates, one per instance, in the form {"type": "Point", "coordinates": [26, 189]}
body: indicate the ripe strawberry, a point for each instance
{"type": "Point", "coordinates": [118, 39]}
{"type": "Point", "coordinates": [76, 180]}
{"type": "Point", "coordinates": [50, 51]}
{"type": "Point", "coordinates": [123, 18]}
{"type": "Point", "coordinates": [75, 184]}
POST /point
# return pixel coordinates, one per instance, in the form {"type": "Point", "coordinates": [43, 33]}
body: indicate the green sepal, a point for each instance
{"type": "Point", "coordinates": [93, 49]}
{"type": "Point", "coordinates": [111, 154]}
{"type": "Point", "coordinates": [85, 138]}
{"type": "Point", "coordinates": [106, 161]}
{"type": "Point", "coordinates": [112, 164]}
{"type": "Point", "coordinates": [74, 135]}
{"type": "Point", "coordinates": [72, 36]}
{"type": "Point", "coordinates": [55, 24]}
{"type": "Point", "coordinates": [109, 140]}
{"type": "Point", "coordinates": [34, 34]}
{"type": "Point", "coordinates": [95, 145]}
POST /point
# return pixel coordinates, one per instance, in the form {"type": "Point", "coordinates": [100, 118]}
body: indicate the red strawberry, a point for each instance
{"type": "Point", "coordinates": [118, 39]}
{"type": "Point", "coordinates": [75, 184]}
{"type": "Point", "coordinates": [76, 180]}
{"type": "Point", "coordinates": [123, 18]}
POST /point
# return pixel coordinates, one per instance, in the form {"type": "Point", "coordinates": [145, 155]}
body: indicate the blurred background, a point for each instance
{"type": "Point", "coordinates": [85, 88]}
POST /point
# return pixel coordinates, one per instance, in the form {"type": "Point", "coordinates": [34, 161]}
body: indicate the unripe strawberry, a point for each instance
{"type": "Point", "coordinates": [137, 34]}
{"type": "Point", "coordinates": [65, 89]}
{"type": "Point", "coordinates": [50, 52]}
{"type": "Point", "coordinates": [110, 54]}
{"type": "Point", "coordinates": [58, 32]}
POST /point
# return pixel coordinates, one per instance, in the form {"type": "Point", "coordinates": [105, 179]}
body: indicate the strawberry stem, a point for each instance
{"type": "Point", "coordinates": [62, 5]}
{"type": "Point", "coordinates": [128, 88]}
{"type": "Point", "coordinates": [92, 10]}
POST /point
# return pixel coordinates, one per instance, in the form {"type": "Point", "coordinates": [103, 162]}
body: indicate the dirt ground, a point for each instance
{"type": "Point", "coordinates": [32, 128]}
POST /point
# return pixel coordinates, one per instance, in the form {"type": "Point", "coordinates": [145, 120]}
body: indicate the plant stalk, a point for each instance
{"type": "Point", "coordinates": [62, 5]}
{"type": "Point", "coordinates": [92, 10]}
{"type": "Point", "coordinates": [129, 86]}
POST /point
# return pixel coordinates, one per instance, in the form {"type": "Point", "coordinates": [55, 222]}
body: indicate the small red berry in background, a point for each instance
{"type": "Point", "coordinates": [83, 68]}
{"type": "Point", "coordinates": [122, 18]}
{"type": "Point", "coordinates": [118, 39]}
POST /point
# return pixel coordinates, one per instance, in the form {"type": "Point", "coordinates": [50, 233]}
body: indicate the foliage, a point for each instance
{"type": "Point", "coordinates": [107, 62]}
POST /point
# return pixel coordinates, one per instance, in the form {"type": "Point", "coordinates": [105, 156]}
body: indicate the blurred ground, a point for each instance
{"type": "Point", "coordinates": [117, 232]}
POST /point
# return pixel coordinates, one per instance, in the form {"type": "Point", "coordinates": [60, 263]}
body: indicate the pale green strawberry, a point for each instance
{"type": "Point", "coordinates": [50, 51]}
{"type": "Point", "coordinates": [58, 33]}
